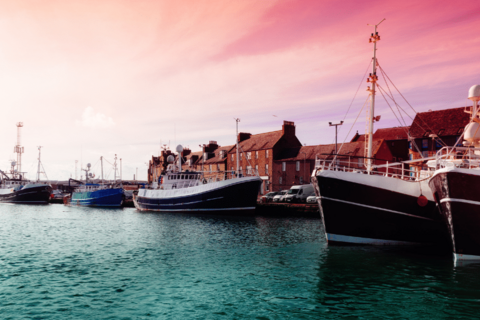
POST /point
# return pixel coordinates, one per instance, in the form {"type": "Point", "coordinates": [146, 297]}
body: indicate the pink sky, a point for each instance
{"type": "Point", "coordinates": [95, 78]}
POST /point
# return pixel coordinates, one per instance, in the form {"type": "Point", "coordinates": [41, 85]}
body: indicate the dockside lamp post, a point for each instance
{"type": "Point", "coordinates": [336, 126]}
{"type": "Point", "coordinates": [304, 158]}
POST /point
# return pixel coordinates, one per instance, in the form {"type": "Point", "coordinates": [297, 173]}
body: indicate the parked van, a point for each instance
{"type": "Point", "coordinates": [299, 193]}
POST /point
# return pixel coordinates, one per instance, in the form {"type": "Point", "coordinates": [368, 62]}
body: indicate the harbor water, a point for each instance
{"type": "Point", "coordinates": [59, 262]}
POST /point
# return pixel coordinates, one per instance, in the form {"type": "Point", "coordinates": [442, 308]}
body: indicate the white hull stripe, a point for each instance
{"type": "Point", "coordinates": [460, 200]}
{"type": "Point", "coordinates": [180, 204]}
{"type": "Point", "coordinates": [458, 256]}
{"type": "Point", "coordinates": [361, 240]}
{"type": "Point", "coordinates": [205, 210]}
{"type": "Point", "coordinates": [377, 208]}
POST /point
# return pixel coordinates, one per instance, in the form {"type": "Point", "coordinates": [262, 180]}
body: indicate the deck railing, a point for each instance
{"type": "Point", "coordinates": [460, 157]}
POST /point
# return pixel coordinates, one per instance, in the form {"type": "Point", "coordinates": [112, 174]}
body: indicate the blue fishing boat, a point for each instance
{"type": "Point", "coordinates": [95, 194]}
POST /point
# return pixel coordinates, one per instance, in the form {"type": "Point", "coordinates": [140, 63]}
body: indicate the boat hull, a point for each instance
{"type": "Point", "coordinates": [98, 198]}
{"type": "Point", "coordinates": [29, 194]}
{"type": "Point", "coordinates": [456, 193]}
{"type": "Point", "coordinates": [233, 196]}
{"type": "Point", "coordinates": [376, 210]}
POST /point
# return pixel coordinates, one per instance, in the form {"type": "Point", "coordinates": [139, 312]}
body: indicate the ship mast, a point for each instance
{"type": "Point", "coordinates": [39, 162]}
{"type": "Point", "coordinates": [373, 79]}
{"type": "Point", "coordinates": [238, 160]}
{"type": "Point", "coordinates": [19, 150]}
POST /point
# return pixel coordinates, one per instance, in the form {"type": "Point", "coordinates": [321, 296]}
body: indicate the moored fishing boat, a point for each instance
{"type": "Point", "coordinates": [189, 191]}
{"type": "Point", "coordinates": [367, 204]}
{"type": "Point", "coordinates": [455, 186]}
{"type": "Point", "coordinates": [90, 194]}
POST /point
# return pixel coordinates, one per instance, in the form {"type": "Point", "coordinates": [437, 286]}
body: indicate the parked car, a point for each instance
{"type": "Point", "coordinates": [269, 196]}
{"type": "Point", "coordinates": [299, 193]}
{"type": "Point", "coordinates": [280, 197]}
{"type": "Point", "coordinates": [312, 199]}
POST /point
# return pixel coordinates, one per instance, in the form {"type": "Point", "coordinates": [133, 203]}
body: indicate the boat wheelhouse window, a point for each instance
{"type": "Point", "coordinates": [240, 156]}
{"type": "Point", "coordinates": [232, 157]}
{"type": "Point", "coordinates": [425, 143]}
{"type": "Point", "coordinates": [301, 180]}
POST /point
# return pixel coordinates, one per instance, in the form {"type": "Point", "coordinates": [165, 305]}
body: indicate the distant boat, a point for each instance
{"type": "Point", "coordinates": [17, 190]}
{"type": "Point", "coordinates": [190, 192]}
{"type": "Point", "coordinates": [95, 194]}
{"type": "Point", "coordinates": [455, 187]}
{"type": "Point", "coordinates": [14, 188]}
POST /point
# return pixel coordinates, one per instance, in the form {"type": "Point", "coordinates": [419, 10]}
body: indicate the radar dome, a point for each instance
{"type": "Point", "coordinates": [472, 131]}
{"type": "Point", "coordinates": [88, 165]}
{"type": "Point", "coordinates": [179, 148]}
{"type": "Point", "coordinates": [14, 163]}
{"type": "Point", "coordinates": [170, 159]}
{"type": "Point", "coordinates": [474, 93]}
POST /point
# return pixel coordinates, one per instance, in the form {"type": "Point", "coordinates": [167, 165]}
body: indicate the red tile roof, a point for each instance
{"type": "Point", "coordinates": [356, 149]}
{"type": "Point", "coordinates": [389, 134]}
{"type": "Point", "coordinates": [259, 141]}
{"type": "Point", "coordinates": [217, 158]}
{"type": "Point", "coordinates": [449, 120]}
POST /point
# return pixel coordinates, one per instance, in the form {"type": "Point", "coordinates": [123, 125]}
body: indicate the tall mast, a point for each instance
{"type": "Point", "coordinates": [19, 149]}
{"type": "Point", "coordinates": [101, 166]}
{"type": "Point", "coordinates": [39, 162]}
{"type": "Point", "coordinates": [238, 160]}
{"type": "Point", "coordinates": [373, 79]}
{"type": "Point", "coordinates": [115, 169]}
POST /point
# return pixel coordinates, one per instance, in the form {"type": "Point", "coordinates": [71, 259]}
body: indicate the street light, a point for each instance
{"type": "Point", "coordinates": [336, 126]}
{"type": "Point", "coordinates": [304, 157]}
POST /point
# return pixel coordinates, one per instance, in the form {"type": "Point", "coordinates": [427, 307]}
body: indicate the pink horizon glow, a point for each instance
{"type": "Point", "coordinates": [91, 79]}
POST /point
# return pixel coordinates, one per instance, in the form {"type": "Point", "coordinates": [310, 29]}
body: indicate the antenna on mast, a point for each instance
{"type": "Point", "coordinates": [372, 79]}
{"type": "Point", "coordinates": [237, 138]}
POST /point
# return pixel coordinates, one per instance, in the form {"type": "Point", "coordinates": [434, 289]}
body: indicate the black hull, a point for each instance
{"type": "Point", "coordinates": [356, 213]}
{"type": "Point", "coordinates": [234, 199]}
{"type": "Point", "coordinates": [456, 193]}
{"type": "Point", "coordinates": [35, 195]}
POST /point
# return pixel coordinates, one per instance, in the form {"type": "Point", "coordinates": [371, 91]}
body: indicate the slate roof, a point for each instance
{"type": "Point", "coordinates": [259, 141]}
{"type": "Point", "coordinates": [216, 158]}
{"type": "Point", "coordinates": [389, 134]}
{"type": "Point", "coordinates": [451, 121]}
{"type": "Point", "coordinates": [356, 149]}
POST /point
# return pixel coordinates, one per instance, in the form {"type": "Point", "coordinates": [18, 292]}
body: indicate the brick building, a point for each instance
{"type": "Point", "coordinates": [258, 152]}
{"type": "Point", "coordinates": [294, 166]}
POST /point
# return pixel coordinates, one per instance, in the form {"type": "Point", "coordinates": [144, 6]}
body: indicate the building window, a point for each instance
{"type": "Point", "coordinates": [249, 155]}
{"type": "Point", "coordinates": [205, 156]}
{"type": "Point", "coordinates": [360, 162]}
{"type": "Point", "coordinates": [221, 154]}
{"type": "Point", "coordinates": [240, 156]}
{"type": "Point", "coordinates": [256, 169]}
{"type": "Point", "coordinates": [232, 156]}
{"type": "Point", "coordinates": [240, 171]}
{"type": "Point", "coordinates": [425, 154]}
{"type": "Point", "coordinates": [425, 143]}
{"type": "Point", "coordinates": [280, 180]}
{"type": "Point", "coordinates": [266, 169]}
{"type": "Point", "coordinates": [210, 167]}
{"type": "Point", "coordinates": [301, 180]}
{"type": "Point", "coordinates": [267, 187]}
{"type": "Point", "coordinates": [233, 170]}
{"type": "Point", "coordinates": [284, 166]}
{"type": "Point", "coordinates": [266, 153]}
{"type": "Point", "coordinates": [249, 169]}
{"type": "Point", "coordinates": [256, 154]}
{"type": "Point", "coordinates": [218, 167]}
{"type": "Point", "coordinates": [297, 166]}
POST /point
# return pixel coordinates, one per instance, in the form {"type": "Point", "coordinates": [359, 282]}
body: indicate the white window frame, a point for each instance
{"type": "Point", "coordinates": [284, 166]}
{"type": "Point", "coordinates": [297, 166]}
{"type": "Point", "coordinates": [266, 153]}
{"type": "Point", "coordinates": [256, 154]}
{"type": "Point", "coordinates": [266, 169]}
{"type": "Point", "coordinates": [279, 180]}
{"type": "Point", "coordinates": [249, 155]}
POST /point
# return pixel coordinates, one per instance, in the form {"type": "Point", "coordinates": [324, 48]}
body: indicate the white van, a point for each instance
{"type": "Point", "coordinates": [299, 193]}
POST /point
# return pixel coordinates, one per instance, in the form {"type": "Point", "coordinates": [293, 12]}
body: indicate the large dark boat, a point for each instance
{"type": "Point", "coordinates": [17, 190]}
{"type": "Point", "coordinates": [192, 192]}
{"type": "Point", "coordinates": [371, 203]}
{"type": "Point", "coordinates": [14, 188]}
{"type": "Point", "coordinates": [455, 187]}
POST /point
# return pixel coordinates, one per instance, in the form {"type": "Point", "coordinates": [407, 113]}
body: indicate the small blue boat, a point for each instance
{"type": "Point", "coordinates": [94, 194]}
{"type": "Point", "coordinates": [97, 195]}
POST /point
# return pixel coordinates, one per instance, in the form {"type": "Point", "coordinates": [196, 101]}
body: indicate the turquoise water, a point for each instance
{"type": "Point", "coordinates": [61, 262]}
